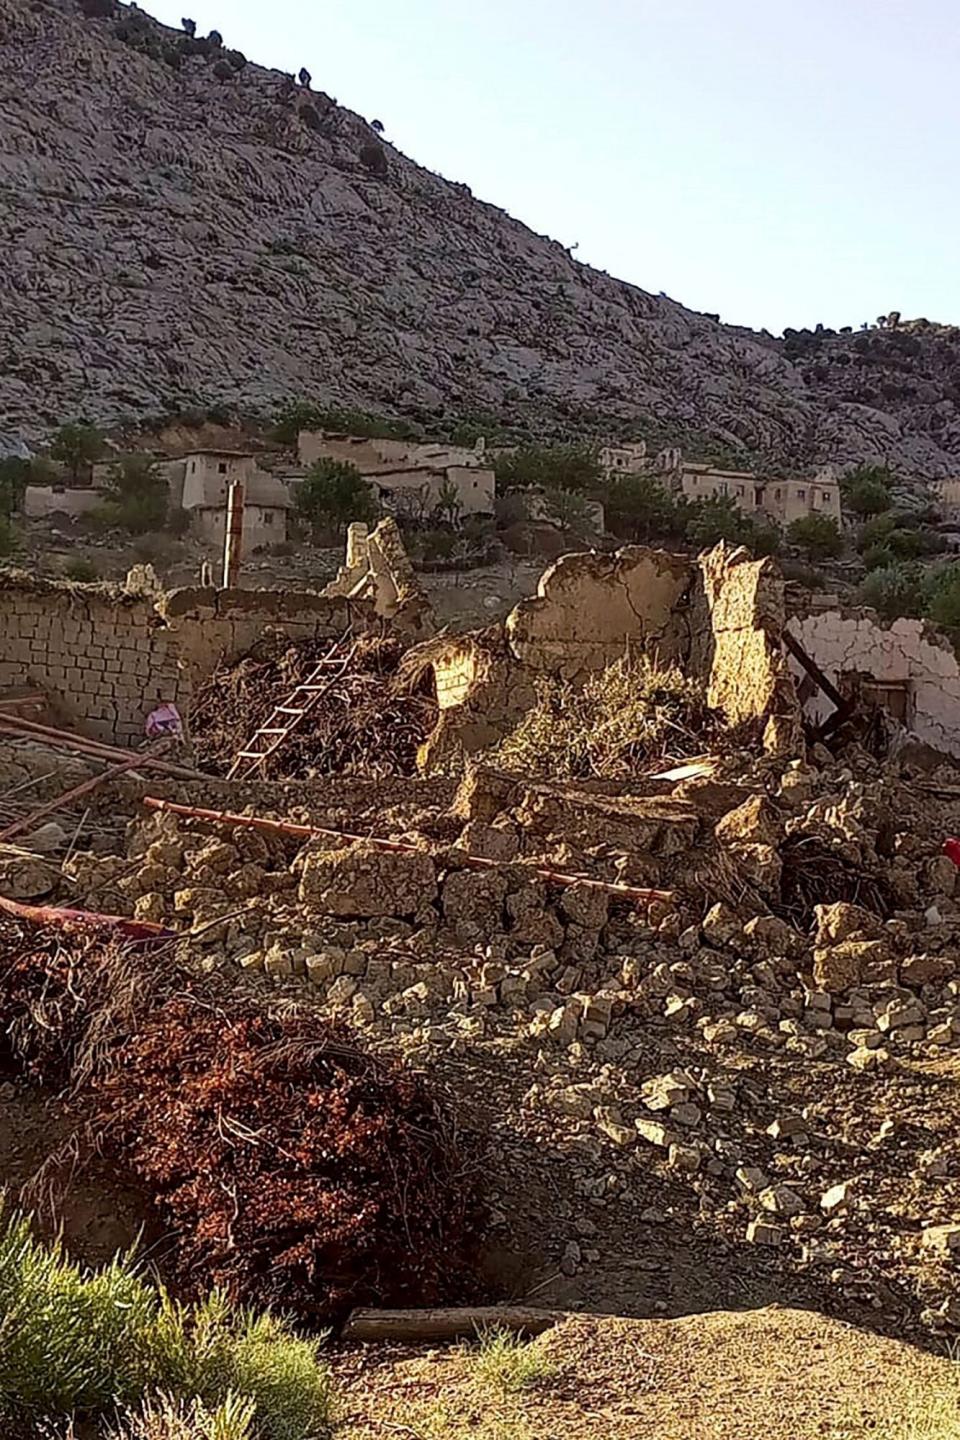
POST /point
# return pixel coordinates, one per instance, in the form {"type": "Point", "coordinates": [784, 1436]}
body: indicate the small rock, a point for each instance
{"type": "Point", "coordinates": [764, 1232]}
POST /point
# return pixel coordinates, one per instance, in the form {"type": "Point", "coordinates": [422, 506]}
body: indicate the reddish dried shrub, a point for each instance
{"type": "Point", "coordinates": [297, 1171]}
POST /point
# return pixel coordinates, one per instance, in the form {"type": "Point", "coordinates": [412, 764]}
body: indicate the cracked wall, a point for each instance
{"type": "Point", "coordinates": [911, 651]}
{"type": "Point", "coordinates": [720, 618]}
{"type": "Point", "coordinates": [105, 658]}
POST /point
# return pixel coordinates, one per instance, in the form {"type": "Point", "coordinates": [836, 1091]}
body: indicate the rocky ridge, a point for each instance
{"type": "Point", "coordinates": [174, 236]}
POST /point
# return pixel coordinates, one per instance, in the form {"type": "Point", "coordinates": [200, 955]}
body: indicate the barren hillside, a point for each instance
{"type": "Point", "coordinates": [177, 232]}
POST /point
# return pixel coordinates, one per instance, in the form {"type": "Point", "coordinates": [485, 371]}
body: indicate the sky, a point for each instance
{"type": "Point", "coordinates": [781, 162]}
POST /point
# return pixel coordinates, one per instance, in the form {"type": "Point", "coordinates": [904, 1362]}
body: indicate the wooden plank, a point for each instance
{"type": "Point", "coordinates": [449, 1324]}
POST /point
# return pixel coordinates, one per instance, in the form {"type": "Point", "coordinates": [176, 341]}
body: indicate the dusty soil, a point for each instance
{"type": "Point", "coordinates": [775, 1373]}
{"type": "Point", "coordinates": [97, 1215]}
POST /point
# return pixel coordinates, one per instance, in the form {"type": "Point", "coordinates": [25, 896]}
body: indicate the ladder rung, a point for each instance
{"type": "Point", "coordinates": [272, 730]}
{"type": "Point", "coordinates": [251, 755]}
{"type": "Point", "coordinates": [310, 689]}
{"type": "Point", "coordinates": [290, 710]}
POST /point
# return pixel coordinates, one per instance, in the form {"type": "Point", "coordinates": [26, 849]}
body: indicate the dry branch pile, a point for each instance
{"type": "Point", "coordinates": [369, 721]}
{"type": "Point", "coordinates": [296, 1170]}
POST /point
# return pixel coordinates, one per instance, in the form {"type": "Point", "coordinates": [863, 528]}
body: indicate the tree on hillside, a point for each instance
{"type": "Point", "coordinates": [818, 536]}
{"type": "Point", "coordinates": [867, 490]}
{"type": "Point", "coordinates": [448, 505]}
{"type": "Point", "coordinates": [719, 518]}
{"type": "Point", "coordinates": [941, 589]}
{"type": "Point", "coordinates": [137, 496]}
{"type": "Point", "coordinates": [14, 479]}
{"type": "Point", "coordinates": [334, 493]}
{"type": "Point", "coordinates": [638, 508]}
{"type": "Point", "coordinates": [569, 509]}
{"type": "Point", "coordinates": [76, 447]}
{"type": "Point", "coordinates": [555, 467]}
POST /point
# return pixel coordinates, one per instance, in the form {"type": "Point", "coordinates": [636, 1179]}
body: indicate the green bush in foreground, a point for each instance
{"type": "Point", "coordinates": [87, 1343]}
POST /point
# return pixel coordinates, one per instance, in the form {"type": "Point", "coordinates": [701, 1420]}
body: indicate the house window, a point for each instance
{"type": "Point", "coordinates": [777, 494]}
{"type": "Point", "coordinates": [739, 489]}
{"type": "Point", "coordinates": [722, 488]}
{"type": "Point", "coordinates": [801, 494]}
{"type": "Point", "coordinates": [268, 517]}
{"type": "Point", "coordinates": [222, 467]}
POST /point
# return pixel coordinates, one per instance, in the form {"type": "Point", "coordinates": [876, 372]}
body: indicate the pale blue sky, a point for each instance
{"type": "Point", "coordinates": [782, 162]}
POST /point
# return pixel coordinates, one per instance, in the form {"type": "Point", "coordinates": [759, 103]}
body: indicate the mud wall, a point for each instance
{"type": "Point", "coordinates": [105, 658]}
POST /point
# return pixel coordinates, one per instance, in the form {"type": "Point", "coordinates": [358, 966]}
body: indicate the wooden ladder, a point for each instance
{"type": "Point", "coordinates": [285, 718]}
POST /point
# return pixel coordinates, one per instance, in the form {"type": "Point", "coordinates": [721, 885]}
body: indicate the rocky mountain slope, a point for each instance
{"type": "Point", "coordinates": [177, 231]}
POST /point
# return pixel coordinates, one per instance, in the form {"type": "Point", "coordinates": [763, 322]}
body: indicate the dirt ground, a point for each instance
{"type": "Point", "coordinates": [770, 1374]}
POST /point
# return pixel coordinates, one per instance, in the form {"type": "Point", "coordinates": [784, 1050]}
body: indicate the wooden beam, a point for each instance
{"type": "Point", "coordinates": [452, 1324]}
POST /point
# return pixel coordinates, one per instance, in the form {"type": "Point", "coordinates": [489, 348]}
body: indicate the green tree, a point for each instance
{"type": "Point", "coordinates": [448, 505]}
{"type": "Point", "coordinates": [637, 507]}
{"type": "Point", "coordinates": [137, 496]}
{"type": "Point", "coordinates": [77, 447]}
{"type": "Point", "coordinates": [569, 508]}
{"type": "Point", "coordinates": [554, 467]}
{"type": "Point", "coordinates": [7, 537]}
{"type": "Point", "coordinates": [333, 494]}
{"type": "Point", "coordinates": [867, 490]}
{"type": "Point", "coordinates": [893, 591]}
{"type": "Point", "coordinates": [14, 479]}
{"type": "Point", "coordinates": [719, 518]}
{"type": "Point", "coordinates": [818, 536]}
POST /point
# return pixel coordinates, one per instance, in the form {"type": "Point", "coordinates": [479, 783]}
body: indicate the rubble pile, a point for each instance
{"type": "Point", "coordinates": [367, 721]}
{"type": "Point", "coordinates": [765, 1061]}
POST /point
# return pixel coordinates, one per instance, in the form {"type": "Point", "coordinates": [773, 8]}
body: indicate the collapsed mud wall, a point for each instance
{"type": "Point", "coordinates": [720, 618]}
{"type": "Point", "coordinates": [910, 667]}
{"type": "Point", "coordinates": [104, 657]}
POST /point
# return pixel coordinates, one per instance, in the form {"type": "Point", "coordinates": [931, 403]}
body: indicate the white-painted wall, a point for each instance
{"type": "Point", "coordinates": [904, 650]}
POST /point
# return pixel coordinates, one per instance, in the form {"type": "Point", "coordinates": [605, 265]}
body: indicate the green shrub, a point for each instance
{"type": "Point", "coordinates": [79, 1341]}
{"type": "Point", "coordinates": [893, 591]}
{"type": "Point", "coordinates": [879, 557]}
{"type": "Point", "coordinates": [510, 1364]}
{"type": "Point", "coordinates": [554, 467]}
{"type": "Point", "coordinates": [333, 494]}
{"type": "Point", "coordinates": [941, 592]}
{"type": "Point", "coordinates": [80, 569]}
{"type": "Point", "coordinates": [569, 509]}
{"type": "Point", "coordinates": [299, 415]}
{"type": "Point", "coordinates": [818, 536]}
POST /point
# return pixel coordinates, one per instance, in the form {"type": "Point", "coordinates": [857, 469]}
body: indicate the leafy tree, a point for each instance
{"type": "Point", "coordinates": [879, 557]}
{"type": "Point", "coordinates": [77, 447]}
{"type": "Point", "coordinates": [569, 508]}
{"type": "Point", "coordinates": [215, 39]}
{"type": "Point", "coordinates": [555, 467]}
{"type": "Point", "coordinates": [299, 415]}
{"type": "Point", "coordinates": [137, 497]}
{"type": "Point", "coordinates": [719, 518]}
{"type": "Point", "coordinates": [81, 569]}
{"type": "Point", "coordinates": [449, 505]}
{"type": "Point", "coordinates": [877, 530]}
{"type": "Point", "coordinates": [15, 475]}
{"type": "Point", "coordinates": [189, 27]}
{"type": "Point", "coordinates": [223, 70]}
{"type": "Point", "coordinates": [98, 9]}
{"type": "Point", "coordinates": [894, 591]}
{"type": "Point", "coordinates": [333, 494]}
{"type": "Point", "coordinates": [638, 508]}
{"type": "Point", "coordinates": [304, 77]}
{"type": "Point", "coordinates": [374, 158]}
{"type": "Point", "coordinates": [817, 535]}
{"type": "Point", "coordinates": [7, 539]}
{"type": "Point", "coordinates": [867, 490]}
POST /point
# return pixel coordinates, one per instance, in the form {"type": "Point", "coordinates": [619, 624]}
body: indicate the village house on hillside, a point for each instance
{"type": "Point", "coordinates": [777, 499]}
{"type": "Point", "coordinates": [199, 483]}
{"type": "Point", "coordinates": [412, 479]}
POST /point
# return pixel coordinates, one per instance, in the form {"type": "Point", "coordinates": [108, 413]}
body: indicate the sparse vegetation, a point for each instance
{"type": "Point", "coordinates": [509, 1364]}
{"type": "Point", "coordinates": [334, 493]}
{"type": "Point", "coordinates": [619, 717]}
{"type": "Point", "coordinates": [893, 590]}
{"type": "Point", "coordinates": [569, 509]}
{"type": "Point", "coordinates": [14, 478]}
{"type": "Point", "coordinates": [81, 1341]}
{"type": "Point", "coordinates": [300, 415]}
{"type": "Point", "coordinates": [818, 536]}
{"type": "Point", "coordinates": [374, 158]}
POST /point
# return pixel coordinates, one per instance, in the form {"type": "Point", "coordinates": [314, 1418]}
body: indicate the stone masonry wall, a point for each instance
{"type": "Point", "coordinates": [105, 658]}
